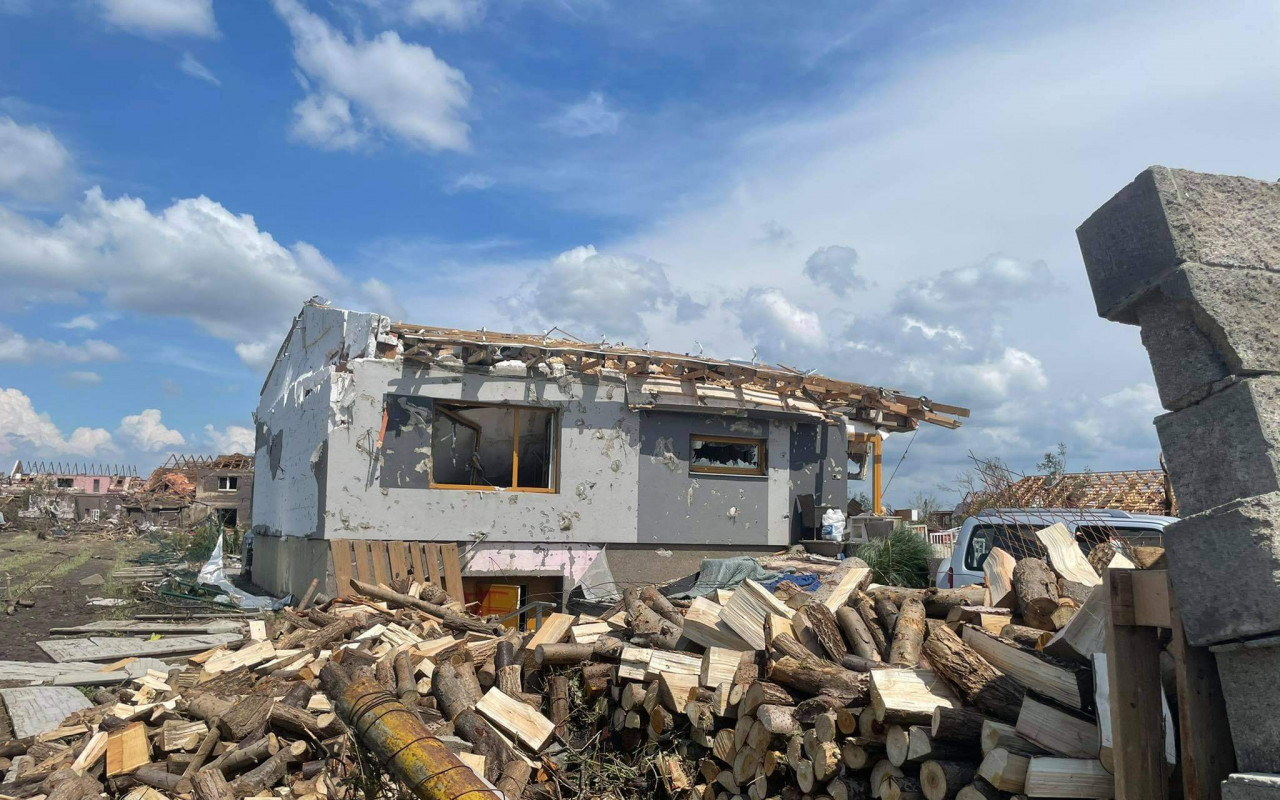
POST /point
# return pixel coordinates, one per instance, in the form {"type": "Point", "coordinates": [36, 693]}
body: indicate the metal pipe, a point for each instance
{"type": "Point", "coordinates": [400, 740]}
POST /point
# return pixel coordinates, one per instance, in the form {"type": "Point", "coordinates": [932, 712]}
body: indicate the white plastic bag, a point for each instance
{"type": "Point", "coordinates": [833, 524]}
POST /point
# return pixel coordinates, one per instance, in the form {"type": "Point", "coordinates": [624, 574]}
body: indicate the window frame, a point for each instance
{"type": "Point", "coordinates": [444, 407]}
{"type": "Point", "coordinates": [761, 443]}
{"type": "Point", "coordinates": [232, 483]}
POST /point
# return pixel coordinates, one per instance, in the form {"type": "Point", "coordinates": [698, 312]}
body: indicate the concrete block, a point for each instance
{"type": "Point", "coordinates": [1225, 568]}
{"type": "Point", "coordinates": [36, 709]}
{"type": "Point", "coordinates": [1166, 217]}
{"type": "Point", "coordinates": [1251, 786]}
{"type": "Point", "coordinates": [1226, 446]}
{"type": "Point", "coordinates": [1249, 671]}
{"type": "Point", "coordinates": [1202, 323]}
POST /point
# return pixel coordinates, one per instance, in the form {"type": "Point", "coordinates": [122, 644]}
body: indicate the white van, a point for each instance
{"type": "Point", "coordinates": [1013, 530]}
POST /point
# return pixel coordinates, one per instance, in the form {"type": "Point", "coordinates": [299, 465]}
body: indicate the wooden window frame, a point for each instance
{"type": "Point", "coordinates": [752, 472]}
{"type": "Point", "coordinates": [554, 488]}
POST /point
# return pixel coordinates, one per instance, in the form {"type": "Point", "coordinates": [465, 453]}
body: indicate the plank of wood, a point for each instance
{"type": "Point", "coordinates": [127, 749]}
{"type": "Point", "coordinates": [746, 611]}
{"type": "Point", "coordinates": [398, 554]}
{"type": "Point", "coordinates": [1057, 731]}
{"type": "Point", "coordinates": [633, 664]}
{"type": "Point", "coordinates": [1069, 778]}
{"type": "Point", "coordinates": [452, 570]}
{"type": "Point", "coordinates": [517, 719]}
{"type": "Point", "coordinates": [1151, 598]}
{"type": "Point", "coordinates": [702, 625]}
{"type": "Point", "coordinates": [909, 696]}
{"type": "Point", "coordinates": [998, 569]}
{"type": "Point", "coordinates": [431, 554]}
{"type": "Point", "coordinates": [834, 597]}
{"type": "Point", "coordinates": [419, 563]}
{"type": "Point", "coordinates": [258, 630]}
{"type": "Point", "coordinates": [381, 568]}
{"type": "Point", "coordinates": [673, 663]}
{"type": "Point", "coordinates": [364, 567]}
{"type": "Point", "coordinates": [1206, 749]}
{"type": "Point", "coordinates": [1057, 682]}
{"type": "Point", "coordinates": [589, 632]}
{"type": "Point", "coordinates": [93, 751]}
{"type": "Point", "coordinates": [719, 666]}
{"type": "Point", "coordinates": [554, 629]}
{"type": "Point", "coordinates": [1136, 696]}
{"type": "Point", "coordinates": [1065, 556]}
{"type": "Point", "coordinates": [247, 656]}
{"type": "Point", "coordinates": [341, 552]}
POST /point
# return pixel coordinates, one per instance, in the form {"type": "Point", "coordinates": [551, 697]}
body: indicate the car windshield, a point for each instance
{"type": "Point", "coordinates": [1019, 539]}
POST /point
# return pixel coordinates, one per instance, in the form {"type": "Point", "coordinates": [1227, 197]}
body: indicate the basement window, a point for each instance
{"type": "Point", "coordinates": [726, 455]}
{"type": "Point", "coordinates": [476, 446]}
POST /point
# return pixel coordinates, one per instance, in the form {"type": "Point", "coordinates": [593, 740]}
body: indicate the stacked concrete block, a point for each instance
{"type": "Point", "coordinates": [1251, 786]}
{"type": "Point", "coordinates": [1194, 260]}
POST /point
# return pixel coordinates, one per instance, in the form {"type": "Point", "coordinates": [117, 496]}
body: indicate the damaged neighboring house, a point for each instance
{"type": "Point", "coordinates": [1143, 491]}
{"type": "Point", "coordinates": [535, 454]}
{"type": "Point", "coordinates": [187, 490]}
{"type": "Point", "coordinates": [70, 490]}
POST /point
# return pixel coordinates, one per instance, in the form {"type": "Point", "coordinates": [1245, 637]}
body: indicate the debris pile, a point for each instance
{"type": "Point", "coordinates": [854, 691]}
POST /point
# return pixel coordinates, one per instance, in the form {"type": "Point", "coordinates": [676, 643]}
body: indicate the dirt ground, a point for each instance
{"type": "Point", "coordinates": [49, 572]}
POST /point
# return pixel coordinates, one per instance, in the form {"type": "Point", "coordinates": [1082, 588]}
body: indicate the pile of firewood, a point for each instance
{"type": "Point", "coordinates": [855, 691]}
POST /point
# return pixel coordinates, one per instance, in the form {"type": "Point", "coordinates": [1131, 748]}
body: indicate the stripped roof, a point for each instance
{"type": "Point", "coordinates": [1144, 491]}
{"type": "Point", "coordinates": [885, 408]}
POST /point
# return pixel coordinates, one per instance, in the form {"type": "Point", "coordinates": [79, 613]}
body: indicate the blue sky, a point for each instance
{"type": "Point", "coordinates": [884, 192]}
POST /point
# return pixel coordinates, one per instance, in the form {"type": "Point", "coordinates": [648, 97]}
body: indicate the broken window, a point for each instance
{"type": "Point", "coordinates": [228, 483]}
{"type": "Point", "coordinates": [228, 517]}
{"type": "Point", "coordinates": [65, 483]}
{"type": "Point", "coordinates": [726, 455]}
{"type": "Point", "coordinates": [493, 447]}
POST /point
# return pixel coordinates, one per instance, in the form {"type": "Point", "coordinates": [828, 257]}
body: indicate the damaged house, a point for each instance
{"type": "Point", "coordinates": [551, 463]}
{"type": "Point", "coordinates": [71, 491]}
{"type": "Point", "coordinates": [187, 490]}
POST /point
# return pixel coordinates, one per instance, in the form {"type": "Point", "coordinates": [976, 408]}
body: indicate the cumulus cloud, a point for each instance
{"type": "Point", "coordinates": [470, 182]}
{"type": "Point", "coordinates": [455, 14]}
{"type": "Point", "coordinates": [780, 329]}
{"type": "Point", "coordinates": [833, 268]}
{"type": "Point", "coordinates": [590, 117]}
{"type": "Point", "coordinates": [231, 439]}
{"type": "Point", "coordinates": [994, 285]}
{"type": "Point", "coordinates": [146, 431]}
{"type": "Point", "coordinates": [194, 259]}
{"type": "Point", "coordinates": [161, 17]}
{"type": "Point", "coordinates": [24, 430]}
{"type": "Point", "coordinates": [18, 349]}
{"type": "Point", "coordinates": [192, 66]}
{"type": "Point", "coordinates": [362, 88]}
{"type": "Point", "coordinates": [82, 322]}
{"type": "Point", "coordinates": [593, 294]}
{"type": "Point", "coordinates": [1122, 417]}
{"type": "Point", "coordinates": [34, 166]}
{"type": "Point", "coordinates": [83, 378]}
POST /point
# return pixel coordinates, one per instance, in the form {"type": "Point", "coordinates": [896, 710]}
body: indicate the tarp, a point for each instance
{"type": "Point", "coordinates": [726, 573]}
{"type": "Point", "coordinates": [213, 574]}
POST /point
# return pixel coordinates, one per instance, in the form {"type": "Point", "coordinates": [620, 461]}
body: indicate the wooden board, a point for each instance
{"type": "Point", "coordinates": [998, 569]}
{"type": "Point", "coordinates": [746, 611]}
{"type": "Point", "coordinates": [909, 696]}
{"type": "Point", "coordinates": [1065, 556]}
{"type": "Point", "coordinates": [1136, 695]}
{"type": "Point", "coordinates": [1207, 752]}
{"type": "Point", "coordinates": [1151, 598]}
{"type": "Point", "coordinates": [364, 567]}
{"type": "Point", "coordinates": [398, 554]}
{"type": "Point", "coordinates": [836, 596]}
{"type": "Point", "coordinates": [1069, 778]}
{"type": "Point", "coordinates": [517, 719]}
{"type": "Point", "coordinates": [341, 552]}
{"type": "Point", "coordinates": [1057, 731]}
{"type": "Point", "coordinates": [381, 567]}
{"type": "Point", "coordinates": [452, 570]}
{"type": "Point", "coordinates": [431, 555]}
{"type": "Point", "coordinates": [258, 630]}
{"type": "Point", "coordinates": [127, 749]}
{"type": "Point", "coordinates": [1056, 682]}
{"type": "Point", "coordinates": [702, 625]}
{"type": "Point", "coordinates": [419, 563]}
{"type": "Point", "coordinates": [554, 629]}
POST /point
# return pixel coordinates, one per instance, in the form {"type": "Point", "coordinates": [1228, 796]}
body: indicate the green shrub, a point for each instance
{"type": "Point", "coordinates": [900, 559]}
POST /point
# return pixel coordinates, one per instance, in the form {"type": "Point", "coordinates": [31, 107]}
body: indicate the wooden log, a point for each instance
{"type": "Point", "coordinates": [1068, 777]}
{"type": "Point", "coordinates": [486, 741]}
{"type": "Point", "coordinates": [957, 725]}
{"type": "Point", "coordinates": [826, 761]}
{"type": "Point", "coordinates": [209, 784]}
{"type": "Point", "coordinates": [887, 613]}
{"type": "Point", "coordinates": [509, 680]}
{"type": "Point", "coordinates": [857, 752]}
{"type": "Point", "coordinates": [981, 684]}
{"type": "Point", "coordinates": [1063, 682]}
{"type": "Point", "coordinates": [248, 715]}
{"type": "Point", "coordinates": [908, 634]}
{"type": "Point", "coordinates": [903, 787]}
{"type": "Point", "coordinates": [596, 678]}
{"type": "Point", "coordinates": [998, 569]}
{"type": "Point", "coordinates": [866, 610]}
{"type": "Point", "coordinates": [243, 756]}
{"type": "Point", "coordinates": [295, 720]}
{"type": "Point", "coordinates": [1057, 731]}
{"type": "Point", "coordinates": [979, 790]}
{"type": "Point", "coordinates": [448, 618]}
{"type": "Point", "coordinates": [908, 697]}
{"type": "Point", "coordinates": [702, 625]}
{"type": "Point", "coordinates": [778, 720]}
{"type": "Point", "coordinates": [937, 602]}
{"type": "Point", "coordinates": [856, 635]}
{"type": "Point", "coordinates": [881, 773]}
{"type": "Point", "coordinates": [896, 742]}
{"type": "Point", "coordinates": [645, 621]}
{"type": "Point", "coordinates": [563, 654]}
{"type": "Point", "coordinates": [651, 597]}
{"type": "Point", "coordinates": [559, 694]}
{"type": "Point", "coordinates": [761, 692]}
{"type": "Point", "coordinates": [1004, 770]}
{"type": "Point", "coordinates": [943, 780]}
{"type": "Point", "coordinates": [849, 787]}
{"type": "Point", "coordinates": [784, 644]}
{"type": "Point", "coordinates": [157, 777]}
{"type": "Point", "coordinates": [1004, 736]}
{"type": "Point", "coordinates": [824, 626]}
{"type": "Point", "coordinates": [1036, 586]}
{"type": "Point", "coordinates": [514, 778]}
{"type": "Point", "coordinates": [921, 746]}
{"type": "Point", "coordinates": [406, 683]}
{"type": "Point", "coordinates": [456, 687]}
{"type": "Point", "coordinates": [517, 719]}
{"type": "Point", "coordinates": [269, 772]}
{"type": "Point", "coordinates": [1026, 636]}
{"type": "Point", "coordinates": [813, 677]}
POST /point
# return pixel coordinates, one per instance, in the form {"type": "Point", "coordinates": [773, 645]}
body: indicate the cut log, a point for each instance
{"type": "Point", "coordinates": [1002, 735]}
{"type": "Point", "coordinates": [761, 692]}
{"type": "Point", "coordinates": [558, 687]}
{"type": "Point", "coordinates": [909, 696]}
{"type": "Point", "coordinates": [849, 787]}
{"type": "Point", "coordinates": [887, 613]}
{"type": "Point", "coordinates": [514, 778]}
{"type": "Point", "coordinates": [295, 720]}
{"type": "Point", "coordinates": [553, 630]}
{"type": "Point", "coordinates": [246, 755]}
{"type": "Point", "coordinates": [937, 602]}
{"type": "Point", "coordinates": [746, 611]}
{"type": "Point", "coordinates": [896, 742]}
{"type": "Point", "coordinates": [269, 772]}
{"type": "Point", "coordinates": [1084, 635]}
{"type": "Point", "coordinates": [702, 626]}
{"type": "Point", "coordinates": [979, 790]}
{"type": "Point", "coordinates": [486, 741]}
{"type": "Point", "coordinates": [1065, 556]}
{"type": "Point", "coordinates": [957, 725]}
{"type": "Point", "coordinates": [823, 624]}
{"type": "Point", "coordinates": [903, 787]}
{"type": "Point", "coordinates": [981, 684]}
{"type": "Point", "coordinates": [1066, 683]}
{"type": "Point", "coordinates": [998, 569]}
{"type": "Point", "coordinates": [856, 635]}
{"type": "Point", "coordinates": [674, 689]}
{"type": "Point", "coordinates": [908, 634]}
{"type": "Point", "coordinates": [209, 784]}
{"type": "Point", "coordinates": [922, 746]}
{"type": "Point", "coordinates": [1057, 731]}
{"type": "Point", "coordinates": [448, 618]}
{"type": "Point", "coordinates": [406, 683]}
{"type": "Point", "coordinates": [881, 773]}
{"type": "Point", "coordinates": [127, 750]}
{"type": "Point", "coordinates": [646, 622]}
{"type": "Point", "coordinates": [867, 611]}
{"type": "Point", "coordinates": [719, 666]}
{"type": "Point", "coordinates": [813, 677]}
{"type": "Point", "coordinates": [1068, 777]}
{"type": "Point", "coordinates": [1004, 770]}
{"type": "Point", "coordinates": [834, 596]}
{"type": "Point", "coordinates": [1033, 638]}
{"type": "Point", "coordinates": [651, 597]}
{"type": "Point", "coordinates": [517, 719]}
{"type": "Point", "coordinates": [943, 780]}
{"type": "Point", "coordinates": [250, 714]}
{"type": "Point", "coordinates": [857, 752]}
{"type": "Point", "coordinates": [778, 720]}
{"type": "Point", "coordinates": [1036, 586]}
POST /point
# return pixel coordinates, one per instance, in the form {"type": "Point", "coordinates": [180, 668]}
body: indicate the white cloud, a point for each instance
{"type": "Point", "coordinates": [161, 17]}
{"type": "Point", "coordinates": [82, 322]}
{"type": "Point", "coordinates": [18, 349]}
{"type": "Point", "coordinates": [231, 439]}
{"type": "Point", "coordinates": [34, 165]}
{"type": "Point", "coordinates": [193, 259]}
{"type": "Point", "coordinates": [834, 268]}
{"type": "Point", "coordinates": [191, 66]}
{"type": "Point", "coordinates": [1014, 371]}
{"type": "Point", "coordinates": [23, 430]}
{"type": "Point", "coordinates": [472, 181]}
{"type": "Point", "coordinates": [146, 431]}
{"type": "Point", "coordinates": [590, 117]}
{"type": "Point", "coordinates": [995, 284]}
{"type": "Point", "coordinates": [780, 329]}
{"type": "Point", "coordinates": [455, 14]}
{"type": "Point", "coordinates": [379, 86]}
{"type": "Point", "coordinates": [378, 296]}
{"type": "Point", "coordinates": [1116, 419]}
{"type": "Point", "coordinates": [83, 378]}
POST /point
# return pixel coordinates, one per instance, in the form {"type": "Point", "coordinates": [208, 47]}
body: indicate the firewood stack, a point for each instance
{"type": "Point", "coordinates": [861, 692]}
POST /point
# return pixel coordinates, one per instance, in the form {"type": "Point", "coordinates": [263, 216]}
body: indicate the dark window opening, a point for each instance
{"type": "Point", "coordinates": [497, 447]}
{"type": "Point", "coordinates": [65, 483]}
{"type": "Point", "coordinates": [726, 455]}
{"type": "Point", "coordinates": [228, 483]}
{"type": "Point", "coordinates": [97, 484]}
{"type": "Point", "coordinates": [227, 517]}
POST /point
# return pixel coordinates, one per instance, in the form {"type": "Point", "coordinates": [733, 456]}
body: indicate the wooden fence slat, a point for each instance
{"type": "Point", "coordinates": [364, 570]}
{"type": "Point", "coordinates": [432, 553]}
{"type": "Point", "coordinates": [340, 550]}
{"type": "Point", "coordinates": [452, 571]}
{"type": "Point", "coordinates": [419, 563]}
{"type": "Point", "coordinates": [1137, 717]}
{"type": "Point", "coordinates": [398, 552]}
{"type": "Point", "coordinates": [381, 570]}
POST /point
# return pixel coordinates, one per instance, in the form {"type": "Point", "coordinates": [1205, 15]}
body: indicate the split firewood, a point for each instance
{"type": "Point", "coordinates": [824, 626]}
{"type": "Point", "coordinates": [980, 683]}
{"type": "Point", "coordinates": [867, 611]}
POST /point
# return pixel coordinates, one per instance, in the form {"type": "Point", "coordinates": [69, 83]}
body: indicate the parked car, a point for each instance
{"type": "Point", "coordinates": [1013, 530]}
